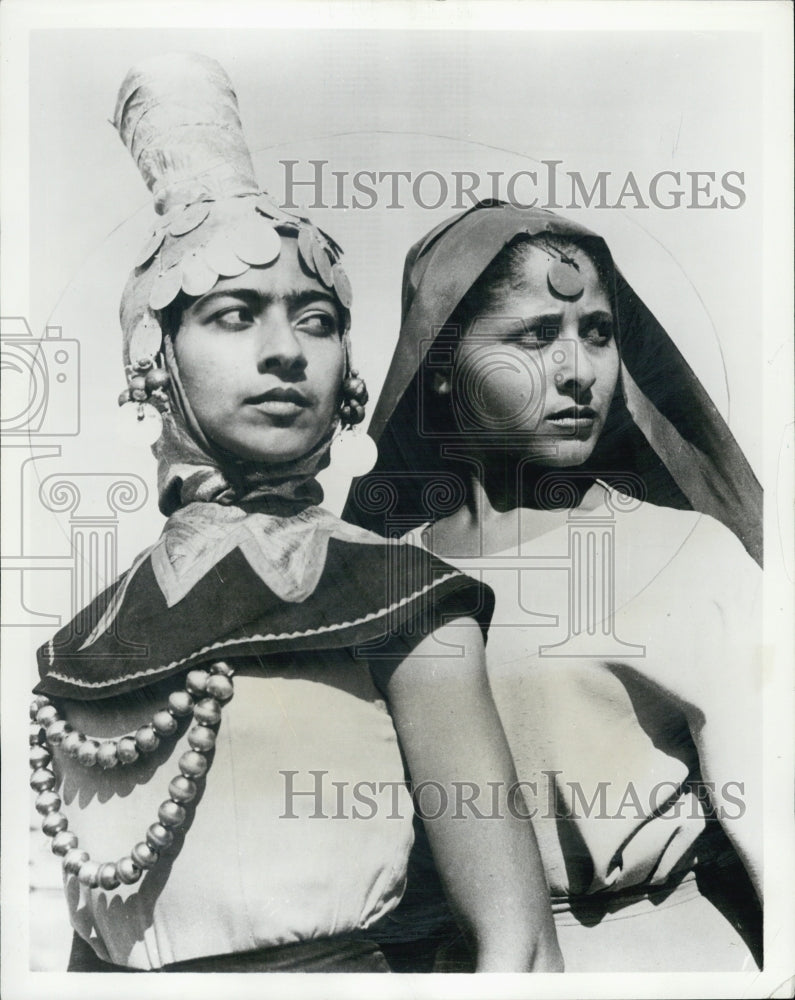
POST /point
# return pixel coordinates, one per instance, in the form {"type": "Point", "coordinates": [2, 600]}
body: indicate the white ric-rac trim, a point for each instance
{"type": "Point", "coordinates": [254, 638]}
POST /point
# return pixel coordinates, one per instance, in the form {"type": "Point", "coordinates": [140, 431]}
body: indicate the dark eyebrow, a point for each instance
{"type": "Point", "coordinates": [554, 319]}
{"type": "Point", "coordinates": [601, 315]}
{"type": "Point", "coordinates": [259, 300]}
{"type": "Point", "coordinates": [544, 319]}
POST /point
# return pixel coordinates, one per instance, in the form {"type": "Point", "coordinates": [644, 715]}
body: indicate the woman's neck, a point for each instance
{"type": "Point", "coordinates": [510, 480]}
{"type": "Point", "coordinates": [498, 519]}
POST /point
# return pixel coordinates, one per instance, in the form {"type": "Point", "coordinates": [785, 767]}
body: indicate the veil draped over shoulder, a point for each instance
{"type": "Point", "coordinates": [664, 431]}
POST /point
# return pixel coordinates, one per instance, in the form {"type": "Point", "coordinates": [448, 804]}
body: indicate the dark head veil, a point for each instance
{"type": "Point", "coordinates": [664, 432]}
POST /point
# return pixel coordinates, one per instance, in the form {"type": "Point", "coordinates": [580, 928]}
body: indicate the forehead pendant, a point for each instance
{"type": "Point", "coordinates": [564, 278]}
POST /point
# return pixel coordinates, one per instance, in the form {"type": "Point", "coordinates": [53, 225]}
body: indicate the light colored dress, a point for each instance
{"type": "Point", "coordinates": [261, 863]}
{"type": "Point", "coordinates": [301, 829]}
{"type": "Point", "coordinates": [607, 671]}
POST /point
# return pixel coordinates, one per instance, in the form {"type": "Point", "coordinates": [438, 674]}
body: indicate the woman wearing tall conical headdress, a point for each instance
{"type": "Point", "coordinates": [540, 430]}
{"type": "Point", "coordinates": [212, 755]}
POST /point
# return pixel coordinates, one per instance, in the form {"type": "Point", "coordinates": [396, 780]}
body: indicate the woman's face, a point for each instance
{"type": "Point", "coordinates": [537, 369]}
{"type": "Point", "coordinates": [261, 360]}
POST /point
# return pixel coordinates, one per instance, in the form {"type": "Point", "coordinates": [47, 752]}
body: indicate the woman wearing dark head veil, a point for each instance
{"type": "Point", "coordinates": [283, 833]}
{"type": "Point", "coordinates": [539, 429]}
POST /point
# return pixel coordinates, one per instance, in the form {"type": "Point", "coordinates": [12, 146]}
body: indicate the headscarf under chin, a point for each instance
{"type": "Point", "coordinates": [178, 116]}
{"type": "Point", "coordinates": [191, 469]}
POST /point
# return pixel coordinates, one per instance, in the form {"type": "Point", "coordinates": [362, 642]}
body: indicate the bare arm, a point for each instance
{"type": "Point", "coordinates": [452, 738]}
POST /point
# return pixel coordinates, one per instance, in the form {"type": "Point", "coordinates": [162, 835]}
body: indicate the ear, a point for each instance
{"type": "Point", "coordinates": [441, 383]}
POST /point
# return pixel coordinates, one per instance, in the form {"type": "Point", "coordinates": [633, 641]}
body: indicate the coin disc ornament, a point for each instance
{"type": "Point", "coordinates": [565, 279]}
{"type": "Point", "coordinates": [305, 251]}
{"type": "Point", "coordinates": [322, 263]}
{"type": "Point", "coordinates": [138, 424]}
{"type": "Point", "coordinates": [220, 255]}
{"type": "Point", "coordinates": [197, 276]}
{"type": "Point", "coordinates": [342, 285]}
{"type": "Point", "coordinates": [150, 248]}
{"type": "Point", "coordinates": [256, 242]}
{"type": "Point", "coordinates": [189, 218]}
{"type": "Point", "coordinates": [353, 453]}
{"type": "Point", "coordinates": [146, 340]}
{"type": "Point", "coordinates": [165, 288]}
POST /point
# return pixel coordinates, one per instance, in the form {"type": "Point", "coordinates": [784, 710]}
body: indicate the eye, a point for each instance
{"type": "Point", "coordinates": [236, 318]}
{"type": "Point", "coordinates": [318, 323]}
{"type": "Point", "coordinates": [537, 335]}
{"type": "Point", "coordinates": [599, 332]}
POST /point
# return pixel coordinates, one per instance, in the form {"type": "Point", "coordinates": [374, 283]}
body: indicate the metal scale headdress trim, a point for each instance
{"type": "Point", "coordinates": [179, 118]}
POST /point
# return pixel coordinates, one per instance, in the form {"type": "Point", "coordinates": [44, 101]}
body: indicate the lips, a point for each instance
{"type": "Point", "coordinates": [280, 394]}
{"type": "Point", "coordinates": [573, 414]}
{"type": "Point", "coordinates": [279, 403]}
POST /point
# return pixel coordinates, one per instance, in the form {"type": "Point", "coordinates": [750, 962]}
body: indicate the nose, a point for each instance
{"type": "Point", "coordinates": [574, 370]}
{"type": "Point", "coordinates": [279, 348]}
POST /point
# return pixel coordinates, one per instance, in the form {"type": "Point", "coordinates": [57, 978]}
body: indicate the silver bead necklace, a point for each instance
{"type": "Point", "coordinates": [205, 692]}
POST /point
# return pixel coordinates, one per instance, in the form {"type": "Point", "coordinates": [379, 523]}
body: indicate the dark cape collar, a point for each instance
{"type": "Point", "coordinates": [197, 597]}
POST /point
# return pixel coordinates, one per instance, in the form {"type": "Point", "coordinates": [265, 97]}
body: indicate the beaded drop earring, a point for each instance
{"type": "Point", "coordinates": [353, 452]}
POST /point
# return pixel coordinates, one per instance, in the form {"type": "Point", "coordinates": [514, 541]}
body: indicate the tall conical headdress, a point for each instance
{"type": "Point", "coordinates": [178, 116]}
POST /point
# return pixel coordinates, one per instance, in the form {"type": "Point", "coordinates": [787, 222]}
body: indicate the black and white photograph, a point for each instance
{"type": "Point", "coordinates": [397, 466]}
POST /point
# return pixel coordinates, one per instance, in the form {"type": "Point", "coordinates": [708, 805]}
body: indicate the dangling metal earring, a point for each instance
{"type": "Point", "coordinates": [147, 378]}
{"type": "Point", "coordinates": [354, 399]}
{"type": "Point", "coordinates": [146, 384]}
{"type": "Point", "coordinates": [353, 452]}
{"type": "Point", "coordinates": [143, 402]}
{"type": "Point", "coordinates": [146, 397]}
